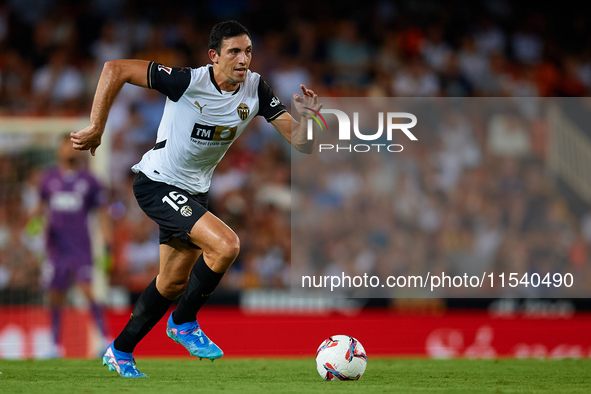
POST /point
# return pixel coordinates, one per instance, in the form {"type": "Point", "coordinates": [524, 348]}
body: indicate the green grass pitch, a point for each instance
{"type": "Point", "coordinates": [298, 376]}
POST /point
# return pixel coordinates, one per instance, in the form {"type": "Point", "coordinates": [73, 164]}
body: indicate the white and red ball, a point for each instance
{"type": "Point", "coordinates": [341, 357]}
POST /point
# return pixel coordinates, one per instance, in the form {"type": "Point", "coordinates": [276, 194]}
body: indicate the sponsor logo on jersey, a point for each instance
{"type": "Point", "coordinates": [168, 70]}
{"type": "Point", "coordinates": [213, 133]}
{"type": "Point", "coordinates": [66, 201]}
{"type": "Point", "coordinates": [243, 111]}
{"type": "Point", "coordinates": [274, 101]}
{"type": "Point", "coordinates": [186, 211]}
{"type": "Point", "coordinates": [200, 106]}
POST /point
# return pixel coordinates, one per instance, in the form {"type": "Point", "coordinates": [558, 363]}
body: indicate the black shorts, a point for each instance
{"type": "Point", "coordinates": [175, 210]}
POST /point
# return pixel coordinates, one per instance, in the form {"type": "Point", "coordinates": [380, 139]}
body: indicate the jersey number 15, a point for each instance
{"type": "Point", "coordinates": [174, 199]}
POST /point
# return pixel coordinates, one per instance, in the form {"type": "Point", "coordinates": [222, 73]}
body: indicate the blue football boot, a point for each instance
{"type": "Point", "coordinates": [122, 362]}
{"type": "Point", "coordinates": [193, 339]}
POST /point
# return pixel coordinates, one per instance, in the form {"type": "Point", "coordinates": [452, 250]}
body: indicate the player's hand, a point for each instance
{"type": "Point", "coordinates": [308, 100]}
{"type": "Point", "coordinates": [86, 139]}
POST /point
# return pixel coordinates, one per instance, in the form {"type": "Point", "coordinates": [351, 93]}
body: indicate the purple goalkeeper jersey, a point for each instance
{"type": "Point", "coordinates": [70, 197]}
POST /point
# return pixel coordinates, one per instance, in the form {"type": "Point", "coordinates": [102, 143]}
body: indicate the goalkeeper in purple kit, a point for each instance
{"type": "Point", "coordinates": [68, 194]}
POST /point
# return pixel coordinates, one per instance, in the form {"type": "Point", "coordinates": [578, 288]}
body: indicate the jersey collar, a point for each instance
{"type": "Point", "coordinates": [215, 84]}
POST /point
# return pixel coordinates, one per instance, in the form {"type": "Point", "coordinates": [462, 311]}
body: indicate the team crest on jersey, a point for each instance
{"type": "Point", "coordinates": [243, 111]}
{"type": "Point", "coordinates": [186, 211]}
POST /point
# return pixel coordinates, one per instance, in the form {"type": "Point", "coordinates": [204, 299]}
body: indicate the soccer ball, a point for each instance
{"type": "Point", "coordinates": [341, 357]}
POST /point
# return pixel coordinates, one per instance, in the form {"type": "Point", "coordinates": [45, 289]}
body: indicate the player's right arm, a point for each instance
{"type": "Point", "coordinates": [115, 74]}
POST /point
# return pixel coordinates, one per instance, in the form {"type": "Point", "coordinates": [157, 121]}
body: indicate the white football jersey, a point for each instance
{"type": "Point", "coordinates": [200, 122]}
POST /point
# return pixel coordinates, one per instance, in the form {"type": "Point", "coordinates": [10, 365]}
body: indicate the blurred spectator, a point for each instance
{"type": "Point", "coordinates": [3, 23]}
{"type": "Point", "coordinates": [415, 79]}
{"type": "Point", "coordinates": [58, 85]}
{"type": "Point", "coordinates": [350, 56]}
{"type": "Point", "coordinates": [20, 279]}
{"type": "Point", "coordinates": [287, 77]}
{"type": "Point", "coordinates": [43, 43]}
{"type": "Point", "coordinates": [435, 50]}
{"type": "Point", "coordinates": [108, 46]}
{"type": "Point", "coordinates": [157, 50]}
{"type": "Point", "coordinates": [523, 83]}
{"type": "Point", "coordinates": [571, 84]}
{"type": "Point", "coordinates": [30, 11]}
{"type": "Point", "coordinates": [528, 47]}
{"type": "Point", "coordinates": [150, 107]}
{"type": "Point", "coordinates": [453, 82]}
{"type": "Point", "coordinates": [508, 136]}
{"type": "Point", "coordinates": [15, 77]}
{"type": "Point", "coordinates": [497, 82]}
{"type": "Point", "coordinates": [459, 149]}
{"type": "Point", "coordinates": [473, 64]}
{"type": "Point", "coordinates": [490, 38]}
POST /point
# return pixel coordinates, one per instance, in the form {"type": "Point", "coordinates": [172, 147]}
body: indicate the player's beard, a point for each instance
{"type": "Point", "coordinates": [239, 80]}
{"type": "Point", "coordinates": [233, 81]}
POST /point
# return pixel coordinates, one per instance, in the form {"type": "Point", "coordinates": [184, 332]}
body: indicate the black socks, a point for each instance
{"type": "Point", "coordinates": [151, 306]}
{"type": "Point", "coordinates": [202, 282]}
{"type": "Point", "coordinates": [148, 310]}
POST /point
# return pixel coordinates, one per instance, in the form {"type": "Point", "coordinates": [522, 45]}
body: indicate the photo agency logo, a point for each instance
{"type": "Point", "coordinates": [390, 119]}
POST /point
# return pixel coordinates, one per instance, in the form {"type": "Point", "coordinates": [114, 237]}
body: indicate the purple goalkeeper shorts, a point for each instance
{"type": "Point", "coordinates": [67, 272]}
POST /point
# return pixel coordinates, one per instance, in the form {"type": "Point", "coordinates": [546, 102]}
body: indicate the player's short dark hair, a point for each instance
{"type": "Point", "coordinates": [223, 30]}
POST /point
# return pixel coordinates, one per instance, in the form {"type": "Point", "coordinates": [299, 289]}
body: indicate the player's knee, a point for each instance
{"type": "Point", "coordinates": [229, 248]}
{"type": "Point", "coordinates": [174, 288]}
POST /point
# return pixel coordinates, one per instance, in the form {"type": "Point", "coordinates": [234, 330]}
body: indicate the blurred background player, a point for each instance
{"type": "Point", "coordinates": [68, 194]}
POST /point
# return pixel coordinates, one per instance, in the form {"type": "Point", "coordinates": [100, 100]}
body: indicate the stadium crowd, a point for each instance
{"type": "Point", "coordinates": [471, 196]}
{"type": "Point", "coordinates": [453, 207]}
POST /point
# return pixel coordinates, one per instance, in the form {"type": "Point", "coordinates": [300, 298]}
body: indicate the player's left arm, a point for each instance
{"type": "Point", "coordinates": [275, 112]}
{"type": "Point", "coordinates": [296, 133]}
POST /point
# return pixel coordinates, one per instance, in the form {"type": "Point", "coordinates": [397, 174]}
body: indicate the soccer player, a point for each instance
{"type": "Point", "coordinates": [206, 110]}
{"type": "Point", "coordinates": [68, 193]}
